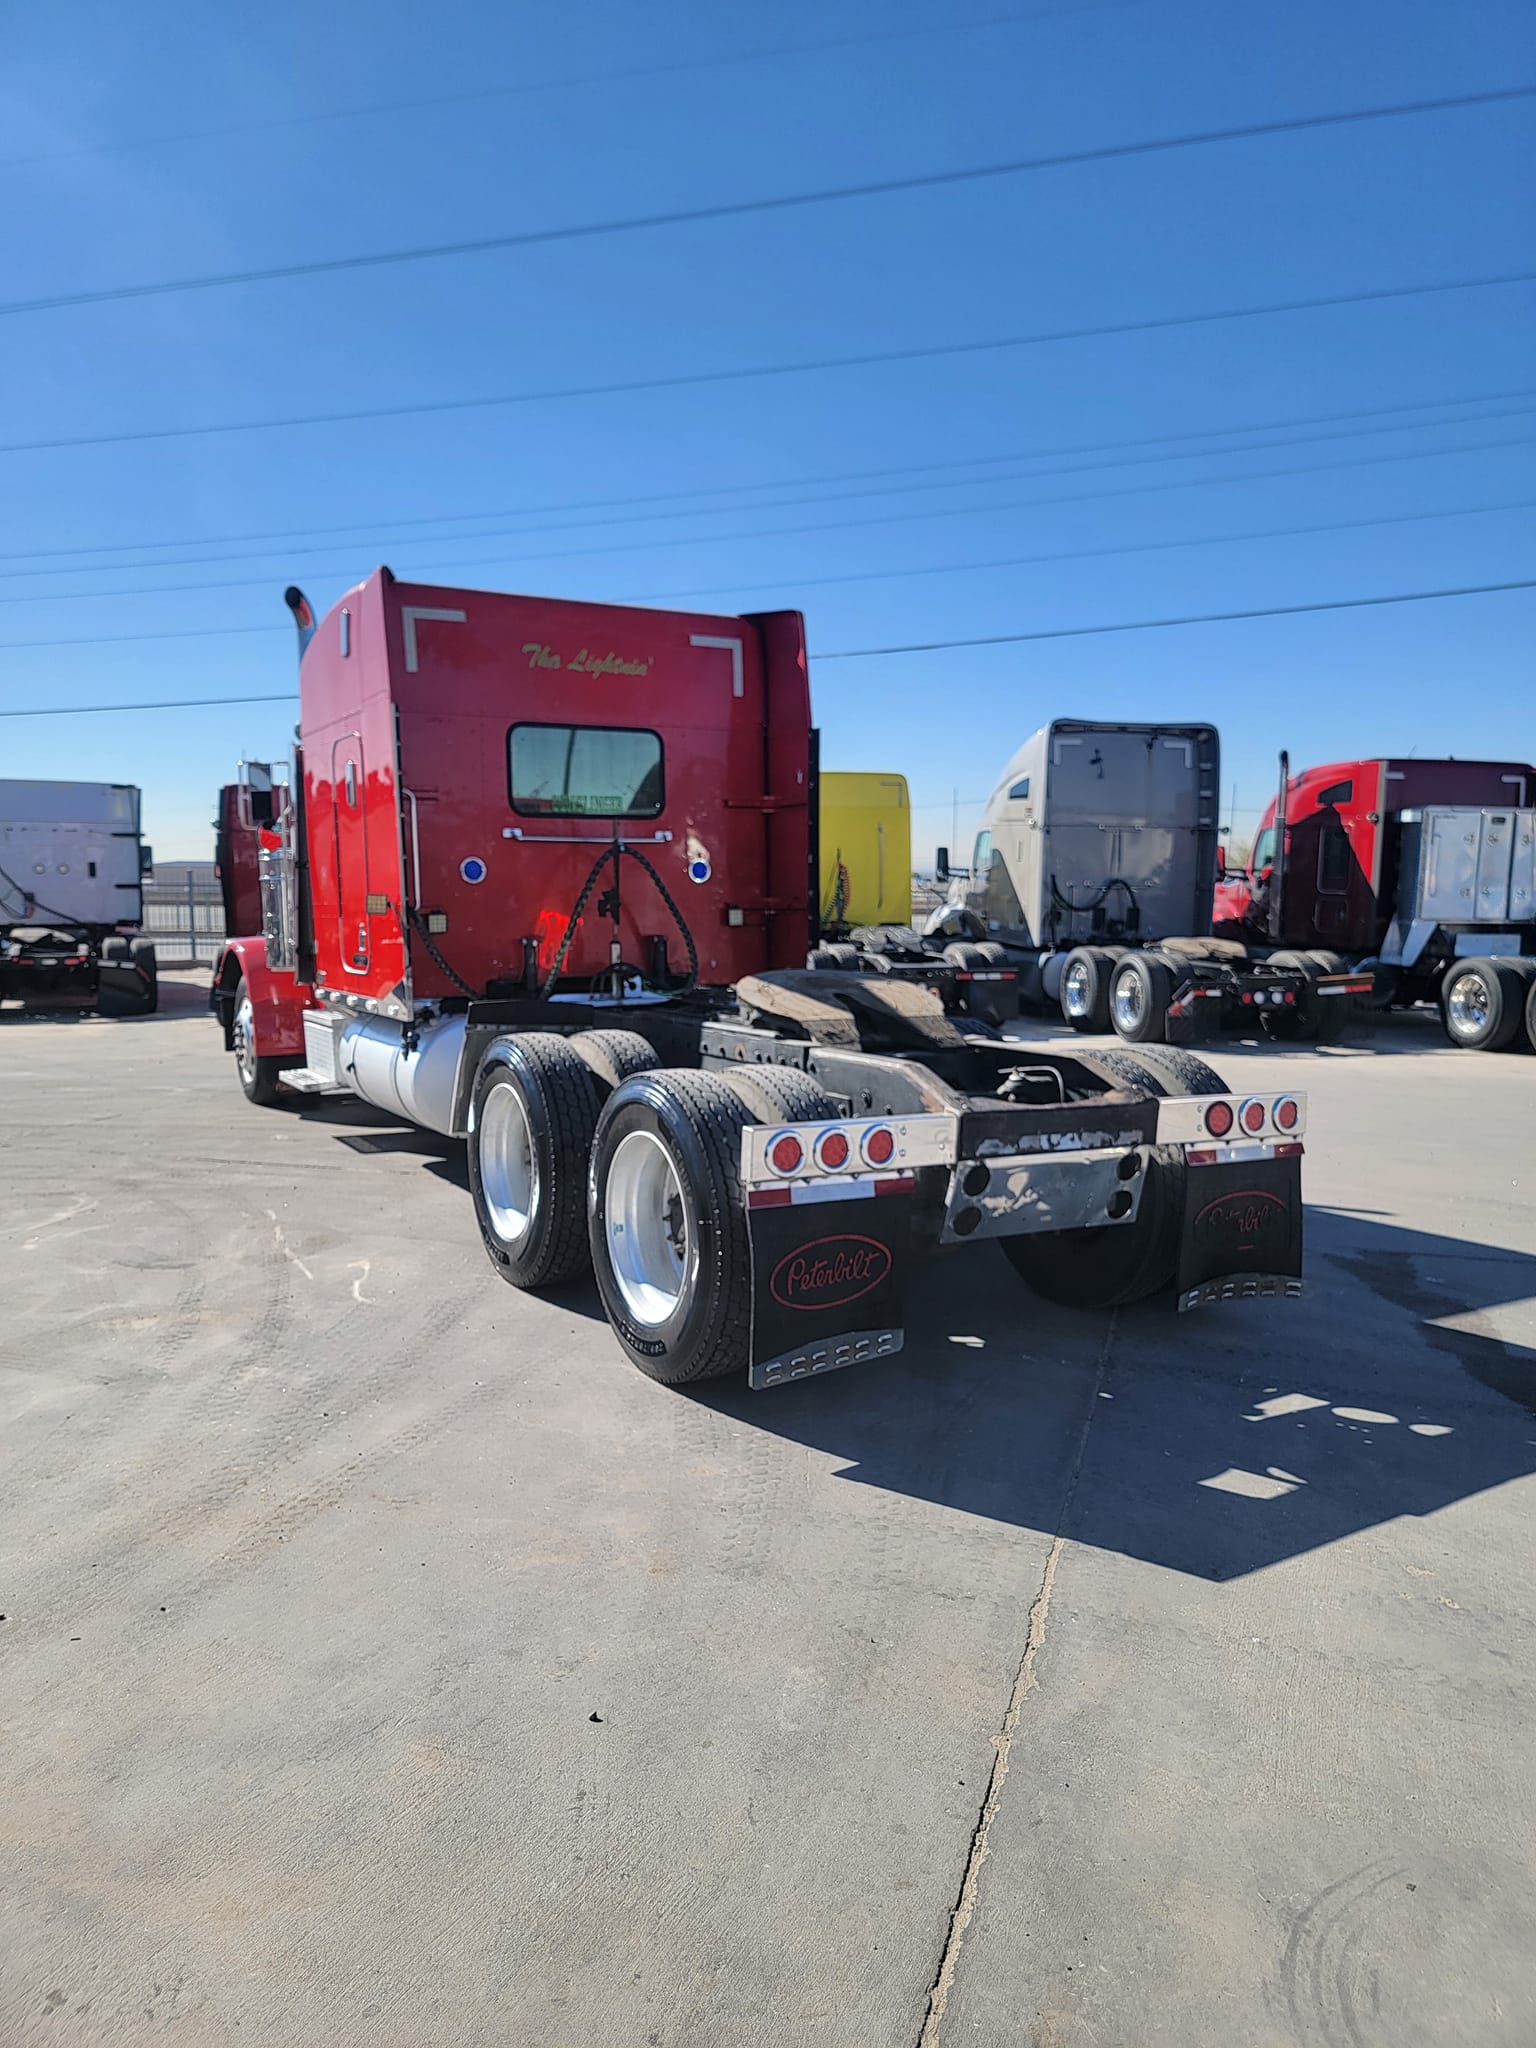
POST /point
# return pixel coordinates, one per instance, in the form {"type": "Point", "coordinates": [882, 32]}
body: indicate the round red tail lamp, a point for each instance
{"type": "Point", "coordinates": [1219, 1119]}
{"type": "Point", "coordinates": [786, 1153]}
{"type": "Point", "coordinates": [1252, 1118]}
{"type": "Point", "coordinates": [879, 1146]}
{"type": "Point", "coordinates": [832, 1151]}
{"type": "Point", "coordinates": [1287, 1114]}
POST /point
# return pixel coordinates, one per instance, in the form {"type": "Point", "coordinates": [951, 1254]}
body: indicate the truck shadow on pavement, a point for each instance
{"type": "Point", "coordinates": [1213, 1444]}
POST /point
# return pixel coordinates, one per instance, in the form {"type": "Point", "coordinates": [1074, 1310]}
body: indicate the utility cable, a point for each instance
{"type": "Point", "coordinates": [1276, 611]}
{"type": "Point", "coordinates": [458, 562]}
{"type": "Point", "coordinates": [694, 379]}
{"type": "Point", "coordinates": [781, 202]}
{"type": "Point", "coordinates": [292, 536]}
{"type": "Point", "coordinates": [1339, 604]}
{"type": "Point", "coordinates": [578, 81]}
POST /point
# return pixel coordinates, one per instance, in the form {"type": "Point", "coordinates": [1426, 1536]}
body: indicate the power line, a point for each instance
{"type": "Point", "coordinates": [550, 85]}
{"type": "Point", "coordinates": [1339, 604]}
{"type": "Point", "coordinates": [162, 704]}
{"type": "Point", "coordinates": [1278, 611]}
{"type": "Point", "coordinates": [377, 539]}
{"type": "Point", "coordinates": [696, 378]}
{"type": "Point", "coordinates": [840, 525]}
{"type": "Point", "coordinates": [1145, 547]}
{"type": "Point", "coordinates": [782, 202]}
{"type": "Point", "coordinates": [292, 535]}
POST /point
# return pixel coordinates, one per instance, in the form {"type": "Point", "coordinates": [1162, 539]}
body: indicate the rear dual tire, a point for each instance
{"type": "Point", "coordinates": [1487, 1005]}
{"type": "Point", "coordinates": [668, 1218]}
{"type": "Point", "coordinates": [1112, 1266]}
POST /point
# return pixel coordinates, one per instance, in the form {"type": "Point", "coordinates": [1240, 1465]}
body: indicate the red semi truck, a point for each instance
{"type": "Point", "coordinates": [1420, 873]}
{"type": "Point", "coordinates": [547, 881]}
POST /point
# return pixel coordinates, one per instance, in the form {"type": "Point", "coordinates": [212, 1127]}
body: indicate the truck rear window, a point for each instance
{"type": "Point", "coordinates": [585, 771]}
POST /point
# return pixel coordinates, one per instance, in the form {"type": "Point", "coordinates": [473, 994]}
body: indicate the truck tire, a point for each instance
{"type": "Point", "coordinates": [533, 1112]}
{"type": "Point", "coordinates": [1325, 1019]}
{"type": "Point", "coordinates": [1085, 977]}
{"type": "Point", "coordinates": [668, 1225]}
{"type": "Point", "coordinates": [1530, 1014]}
{"type": "Point", "coordinates": [839, 958]}
{"type": "Point", "coordinates": [257, 1072]}
{"type": "Point", "coordinates": [612, 1056]}
{"type": "Point", "coordinates": [1121, 1263]}
{"type": "Point", "coordinates": [141, 957]}
{"type": "Point", "coordinates": [781, 1095]}
{"type": "Point", "coordinates": [1482, 1003]}
{"type": "Point", "coordinates": [1180, 1072]}
{"type": "Point", "coordinates": [1140, 990]}
{"type": "Point", "coordinates": [981, 998]}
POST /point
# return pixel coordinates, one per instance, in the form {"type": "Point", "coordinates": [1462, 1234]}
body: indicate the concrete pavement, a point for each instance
{"type": "Point", "coordinates": [385, 1661]}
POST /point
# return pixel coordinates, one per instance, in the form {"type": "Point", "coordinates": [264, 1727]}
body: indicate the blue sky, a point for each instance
{"type": "Point", "coordinates": [161, 141]}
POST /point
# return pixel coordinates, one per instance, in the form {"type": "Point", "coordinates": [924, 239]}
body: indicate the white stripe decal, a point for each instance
{"type": "Point", "coordinates": [409, 614]}
{"type": "Point", "coordinates": [738, 672]}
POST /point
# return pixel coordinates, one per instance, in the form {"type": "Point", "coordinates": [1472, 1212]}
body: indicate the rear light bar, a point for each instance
{"type": "Point", "coordinates": [1230, 1119]}
{"type": "Point", "coordinates": [848, 1149]}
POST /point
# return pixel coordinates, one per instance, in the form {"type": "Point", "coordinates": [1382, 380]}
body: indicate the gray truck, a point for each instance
{"type": "Point", "coordinates": [1090, 890]}
{"type": "Point", "coordinates": [72, 866]}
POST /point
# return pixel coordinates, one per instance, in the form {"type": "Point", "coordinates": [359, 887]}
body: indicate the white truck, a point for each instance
{"type": "Point", "coordinates": [72, 867]}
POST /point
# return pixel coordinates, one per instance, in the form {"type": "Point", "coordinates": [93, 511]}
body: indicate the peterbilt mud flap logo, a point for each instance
{"type": "Point", "coordinates": [1245, 1218]}
{"type": "Point", "coordinates": [830, 1272]}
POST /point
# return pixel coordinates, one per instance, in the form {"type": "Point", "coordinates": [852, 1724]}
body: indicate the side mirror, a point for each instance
{"type": "Point", "coordinates": [1221, 863]}
{"type": "Point", "coordinates": [941, 864]}
{"type": "Point", "coordinates": [146, 861]}
{"type": "Point", "coordinates": [256, 804]}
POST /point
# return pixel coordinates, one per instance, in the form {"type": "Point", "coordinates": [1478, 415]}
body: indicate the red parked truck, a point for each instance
{"type": "Point", "coordinates": [1420, 873]}
{"type": "Point", "coordinates": [547, 881]}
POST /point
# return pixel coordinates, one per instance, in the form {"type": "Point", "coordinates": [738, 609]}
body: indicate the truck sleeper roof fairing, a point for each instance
{"type": "Point", "coordinates": [468, 755]}
{"type": "Point", "coordinates": [1093, 814]}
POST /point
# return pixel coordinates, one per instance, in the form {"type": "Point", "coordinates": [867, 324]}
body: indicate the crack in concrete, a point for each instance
{"type": "Point", "coordinates": [1025, 1682]}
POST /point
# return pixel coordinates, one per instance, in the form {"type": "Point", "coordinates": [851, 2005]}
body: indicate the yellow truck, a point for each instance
{"type": "Point", "coordinates": [866, 851]}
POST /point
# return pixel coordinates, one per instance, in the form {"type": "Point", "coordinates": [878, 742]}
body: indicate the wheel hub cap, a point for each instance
{"type": "Point", "coordinates": [647, 1228]}
{"type": "Point", "coordinates": [1469, 1002]}
{"type": "Point", "coordinates": [1074, 990]}
{"type": "Point", "coordinates": [1127, 1000]}
{"type": "Point", "coordinates": [509, 1175]}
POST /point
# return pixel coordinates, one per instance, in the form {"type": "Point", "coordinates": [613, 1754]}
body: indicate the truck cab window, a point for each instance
{"type": "Point", "coordinates": [1263, 851]}
{"type": "Point", "coordinates": [587, 771]}
{"type": "Point", "coordinates": [1333, 859]}
{"type": "Point", "coordinates": [981, 859]}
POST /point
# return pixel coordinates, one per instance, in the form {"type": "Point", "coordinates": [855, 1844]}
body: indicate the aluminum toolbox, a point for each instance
{"type": "Point", "coordinates": [1462, 866]}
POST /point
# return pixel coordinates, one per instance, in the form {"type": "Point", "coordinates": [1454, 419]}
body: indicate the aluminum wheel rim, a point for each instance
{"type": "Point", "coordinates": [509, 1173]}
{"type": "Point", "coordinates": [244, 1035]}
{"type": "Point", "coordinates": [647, 1229]}
{"type": "Point", "coordinates": [1074, 989]}
{"type": "Point", "coordinates": [1128, 1001]}
{"type": "Point", "coordinates": [1469, 1002]}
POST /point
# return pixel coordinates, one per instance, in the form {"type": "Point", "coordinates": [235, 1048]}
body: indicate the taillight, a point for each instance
{"type": "Point", "coordinates": [786, 1153]}
{"type": "Point", "coordinates": [1287, 1114]}
{"type": "Point", "coordinates": [1252, 1117]}
{"type": "Point", "coordinates": [1218, 1119]}
{"type": "Point", "coordinates": [832, 1151]}
{"type": "Point", "coordinates": [879, 1145]}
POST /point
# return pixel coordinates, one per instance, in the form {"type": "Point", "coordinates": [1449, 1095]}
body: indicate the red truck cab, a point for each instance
{"type": "Point", "coordinates": [1339, 872]}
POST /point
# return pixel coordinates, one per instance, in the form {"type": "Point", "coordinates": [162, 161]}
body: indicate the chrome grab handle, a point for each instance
{"type": "Point", "coordinates": [582, 838]}
{"type": "Point", "coordinates": [415, 895]}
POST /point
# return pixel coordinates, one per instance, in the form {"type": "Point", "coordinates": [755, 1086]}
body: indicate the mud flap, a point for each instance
{"type": "Point", "coordinates": [829, 1265]}
{"type": "Point", "coordinates": [1242, 1230]}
